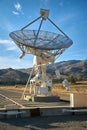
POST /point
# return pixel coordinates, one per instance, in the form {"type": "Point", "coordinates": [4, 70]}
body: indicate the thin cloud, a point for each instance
{"type": "Point", "coordinates": [10, 45]}
{"type": "Point", "coordinates": [14, 62]}
{"type": "Point", "coordinates": [6, 62]}
{"type": "Point", "coordinates": [8, 25]}
{"type": "Point", "coordinates": [18, 6]}
{"type": "Point", "coordinates": [18, 9]}
{"type": "Point", "coordinates": [12, 48]}
{"type": "Point", "coordinates": [4, 41]}
{"type": "Point", "coordinates": [15, 12]}
{"type": "Point", "coordinates": [64, 19]}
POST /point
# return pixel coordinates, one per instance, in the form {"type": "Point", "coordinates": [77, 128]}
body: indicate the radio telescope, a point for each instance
{"type": "Point", "coordinates": [45, 46]}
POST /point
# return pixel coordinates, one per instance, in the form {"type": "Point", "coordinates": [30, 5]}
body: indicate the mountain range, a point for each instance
{"type": "Point", "coordinates": [78, 68]}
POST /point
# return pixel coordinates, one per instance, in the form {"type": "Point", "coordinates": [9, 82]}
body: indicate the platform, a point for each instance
{"type": "Point", "coordinates": [63, 104]}
{"type": "Point", "coordinates": [41, 98]}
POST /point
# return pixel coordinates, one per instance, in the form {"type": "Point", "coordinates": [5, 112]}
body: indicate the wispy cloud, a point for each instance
{"type": "Point", "coordinates": [4, 41]}
{"type": "Point", "coordinates": [7, 62]}
{"type": "Point", "coordinates": [65, 18]}
{"type": "Point", "coordinates": [8, 25]}
{"type": "Point", "coordinates": [10, 45]}
{"type": "Point", "coordinates": [18, 9]}
{"type": "Point", "coordinates": [15, 12]}
{"type": "Point", "coordinates": [14, 62]}
{"type": "Point", "coordinates": [18, 6]}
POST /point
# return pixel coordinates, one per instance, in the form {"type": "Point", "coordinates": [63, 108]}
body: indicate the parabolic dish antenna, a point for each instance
{"type": "Point", "coordinates": [34, 41]}
{"type": "Point", "coordinates": [45, 45]}
{"type": "Point", "coordinates": [45, 40]}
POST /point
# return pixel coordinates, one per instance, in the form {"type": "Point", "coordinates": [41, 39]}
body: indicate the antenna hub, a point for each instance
{"type": "Point", "coordinates": [44, 13]}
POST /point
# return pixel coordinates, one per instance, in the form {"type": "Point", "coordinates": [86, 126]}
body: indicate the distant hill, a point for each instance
{"type": "Point", "coordinates": [77, 68]}
{"type": "Point", "coordinates": [12, 76]}
{"type": "Point", "coordinates": [72, 67]}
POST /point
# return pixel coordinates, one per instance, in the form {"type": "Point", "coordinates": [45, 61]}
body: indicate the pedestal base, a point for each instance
{"type": "Point", "coordinates": [41, 98]}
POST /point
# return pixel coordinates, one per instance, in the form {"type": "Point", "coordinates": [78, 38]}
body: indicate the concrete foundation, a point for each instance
{"type": "Point", "coordinates": [31, 112]}
{"type": "Point", "coordinates": [78, 105]}
{"type": "Point", "coordinates": [78, 100]}
{"type": "Point", "coordinates": [41, 98]}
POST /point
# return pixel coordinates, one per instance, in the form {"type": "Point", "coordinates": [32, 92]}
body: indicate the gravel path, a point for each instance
{"type": "Point", "coordinates": [69, 122]}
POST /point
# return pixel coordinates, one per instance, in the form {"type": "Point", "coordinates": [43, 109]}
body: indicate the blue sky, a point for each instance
{"type": "Point", "coordinates": [69, 15]}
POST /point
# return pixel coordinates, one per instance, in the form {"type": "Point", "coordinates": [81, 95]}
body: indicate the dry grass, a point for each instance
{"type": "Point", "coordinates": [79, 87]}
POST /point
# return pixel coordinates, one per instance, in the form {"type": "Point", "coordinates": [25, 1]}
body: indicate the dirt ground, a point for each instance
{"type": "Point", "coordinates": [61, 122]}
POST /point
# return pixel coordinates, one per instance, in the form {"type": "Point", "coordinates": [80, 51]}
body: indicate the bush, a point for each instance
{"type": "Point", "coordinates": [72, 79]}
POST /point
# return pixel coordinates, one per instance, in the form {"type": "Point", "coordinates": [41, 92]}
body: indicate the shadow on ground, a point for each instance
{"type": "Point", "coordinates": [67, 122]}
